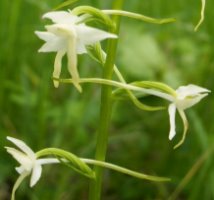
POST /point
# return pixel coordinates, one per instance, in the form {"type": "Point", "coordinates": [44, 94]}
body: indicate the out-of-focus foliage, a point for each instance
{"type": "Point", "coordinates": [31, 109]}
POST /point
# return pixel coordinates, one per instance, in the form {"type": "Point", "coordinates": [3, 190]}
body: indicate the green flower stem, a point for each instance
{"type": "Point", "coordinates": [105, 109]}
{"type": "Point", "coordinates": [124, 170]}
{"type": "Point", "coordinates": [167, 96]}
{"type": "Point", "coordinates": [81, 164]}
{"type": "Point", "coordinates": [132, 96]}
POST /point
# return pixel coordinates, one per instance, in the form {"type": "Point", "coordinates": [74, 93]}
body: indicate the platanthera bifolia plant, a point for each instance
{"type": "Point", "coordinates": [81, 30]}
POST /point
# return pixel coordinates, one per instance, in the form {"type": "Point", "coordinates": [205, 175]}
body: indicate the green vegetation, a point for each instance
{"type": "Point", "coordinates": [42, 116]}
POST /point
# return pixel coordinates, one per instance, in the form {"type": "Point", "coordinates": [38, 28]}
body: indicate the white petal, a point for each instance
{"type": "Point", "coordinates": [88, 35]}
{"type": "Point", "coordinates": [62, 30]}
{"type": "Point", "coordinates": [22, 158]}
{"type": "Point", "coordinates": [57, 66]}
{"type": "Point", "coordinates": [61, 17]}
{"type": "Point", "coordinates": [44, 35]}
{"type": "Point", "coordinates": [72, 63]}
{"type": "Point", "coordinates": [58, 44]}
{"type": "Point", "coordinates": [17, 184]}
{"type": "Point", "coordinates": [21, 145]}
{"type": "Point", "coordinates": [80, 48]}
{"type": "Point", "coordinates": [190, 90]}
{"type": "Point", "coordinates": [189, 101]}
{"type": "Point", "coordinates": [36, 174]}
{"type": "Point", "coordinates": [20, 169]}
{"type": "Point", "coordinates": [172, 113]}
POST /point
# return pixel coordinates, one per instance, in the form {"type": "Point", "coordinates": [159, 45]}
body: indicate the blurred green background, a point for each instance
{"type": "Point", "coordinates": [31, 109]}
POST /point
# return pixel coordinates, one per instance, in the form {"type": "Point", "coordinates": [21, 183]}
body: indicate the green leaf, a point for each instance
{"type": "Point", "coordinates": [74, 162]}
{"type": "Point", "coordinates": [64, 4]}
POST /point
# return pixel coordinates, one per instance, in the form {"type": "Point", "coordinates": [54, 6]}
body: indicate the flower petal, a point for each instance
{"type": "Point", "coordinates": [185, 123]}
{"type": "Point", "coordinates": [61, 17]}
{"type": "Point", "coordinates": [58, 66]}
{"type": "Point", "coordinates": [172, 113]}
{"type": "Point", "coordinates": [189, 101]}
{"type": "Point", "coordinates": [44, 35]}
{"type": "Point", "coordinates": [80, 48]}
{"type": "Point", "coordinates": [20, 169]}
{"type": "Point", "coordinates": [190, 90]}
{"type": "Point", "coordinates": [21, 145]}
{"type": "Point", "coordinates": [22, 158]}
{"type": "Point", "coordinates": [17, 183]}
{"type": "Point", "coordinates": [54, 45]}
{"type": "Point", "coordinates": [36, 174]}
{"type": "Point", "coordinates": [72, 62]}
{"type": "Point", "coordinates": [88, 35]}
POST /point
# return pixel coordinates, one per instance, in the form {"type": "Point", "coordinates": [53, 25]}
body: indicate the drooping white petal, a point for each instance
{"type": "Point", "coordinates": [172, 113]}
{"type": "Point", "coordinates": [17, 183]}
{"type": "Point", "coordinates": [61, 17]}
{"type": "Point", "coordinates": [21, 145]}
{"type": "Point", "coordinates": [57, 66]}
{"type": "Point", "coordinates": [88, 35]}
{"type": "Point", "coordinates": [36, 174]}
{"type": "Point", "coordinates": [190, 90]}
{"type": "Point", "coordinates": [22, 158]}
{"type": "Point", "coordinates": [72, 62]}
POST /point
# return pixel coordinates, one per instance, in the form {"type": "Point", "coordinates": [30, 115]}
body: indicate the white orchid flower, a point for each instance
{"type": "Point", "coordinates": [69, 36]}
{"type": "Point", "coordinates": [185, 97]}
{"type": "Point", "coordinates": [29, 164]}
{"type": "Point", "coordinates": [181, 99]}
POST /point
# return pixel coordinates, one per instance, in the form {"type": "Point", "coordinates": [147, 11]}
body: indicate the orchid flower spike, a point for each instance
{"type": "Point", "coordinates": [68, 35]}
{"type": "Point", "coordinates": [186, 97]}
{"type": "Point", "coordinates": [29, 164]}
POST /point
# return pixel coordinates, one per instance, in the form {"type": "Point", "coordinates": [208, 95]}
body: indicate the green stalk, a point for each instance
{"type": "Point", "coordinates": [124, 170]}
{"type": "Point", "coordinates": [105, 110]}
